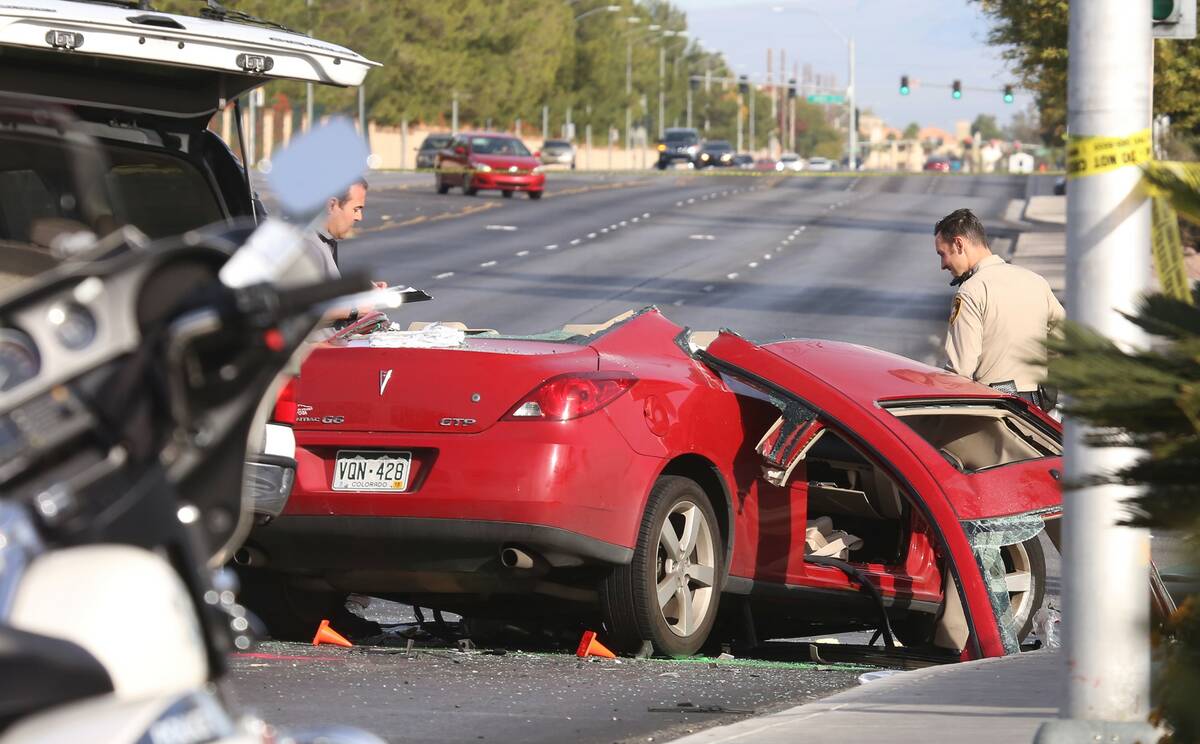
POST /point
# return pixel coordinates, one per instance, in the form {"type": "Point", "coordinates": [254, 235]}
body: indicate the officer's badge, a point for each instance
{"type": "Point", "coordinates": [955, 308]}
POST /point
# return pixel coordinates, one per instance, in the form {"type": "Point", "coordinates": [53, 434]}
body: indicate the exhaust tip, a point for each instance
{"type": "Point", "coordinates": [516, 558]}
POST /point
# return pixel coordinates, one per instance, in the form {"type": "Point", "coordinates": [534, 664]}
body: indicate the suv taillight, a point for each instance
{"type": "Point", "coordinates": [571, 396]}
{"type": "Point", "coordinates": [285, 404]}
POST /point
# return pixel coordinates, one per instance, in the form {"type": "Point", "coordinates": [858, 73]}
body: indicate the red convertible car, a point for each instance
{"type": "Point", "coordinates": [648, 477]}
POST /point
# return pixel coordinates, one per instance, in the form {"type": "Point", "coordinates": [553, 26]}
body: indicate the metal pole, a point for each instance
{"type": "Point", "coordinates": [753, 95]}
{"type": "Point", "coordinates": [517, 127]}
{"type": "Point", "coordinates": [362, 113]}
{"type": "Point", "coordinates": [689, 103]}
{"type": "Point", "coordinates": [454, 113]}
{"type": "Point", "coordinates": [568, 129]}
{"type": "Point", "coordinates": [308, 87]}
{"type": "Point", "coordinates": [1105, 567]}
{"type": "Point", "coordinates": [662, 95]}
{"type": "Point", "coordinates": [853, 118]}
{"type": "Point", "coordinates": [545, 123]}
{"type": "Point", "coordinates": [587, 133]}
{"type": "Point", "coordinates": [792, 127]}
{"type": "Point", "coordinates": [739, 123]}
{"type": "Point", "coordinates": [628, 130]}
{"type": "Point", "coordinates": [404, 143]}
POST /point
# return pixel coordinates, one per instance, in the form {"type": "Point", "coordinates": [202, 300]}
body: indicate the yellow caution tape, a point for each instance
{"type": "Point", "coordinates": [1168, 251]}
{"type": "Point", "coordinates": [1089, 156]}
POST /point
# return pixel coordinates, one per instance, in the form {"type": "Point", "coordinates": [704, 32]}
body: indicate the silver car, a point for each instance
{"type": "Point", "coordinates": [558, 152]}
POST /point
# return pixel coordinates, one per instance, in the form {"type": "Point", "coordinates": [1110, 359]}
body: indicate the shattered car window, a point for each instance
{"type": "Point", "coordinates": [989, 538]}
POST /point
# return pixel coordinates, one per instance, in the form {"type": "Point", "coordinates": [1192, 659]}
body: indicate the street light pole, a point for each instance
{"type": "Point", "coordinates": [853, 111]}
{"type": "Point", "coordinates": [1106, 571]}
{"type": "Point", "coordinates": [662, 72]}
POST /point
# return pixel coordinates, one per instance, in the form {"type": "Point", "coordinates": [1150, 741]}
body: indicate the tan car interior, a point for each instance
{"type": "Point", "coordinates": [977, 437]}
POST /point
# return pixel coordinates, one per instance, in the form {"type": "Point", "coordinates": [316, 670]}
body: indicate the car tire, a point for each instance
{"type": "Point", "coordinates": [1025, 574]}
{"type": "Point", "coordinates": [572, 165]}
{"type": "Point", "coordinates": [468, 189]}
{"type": "Point", "coordinates": [535, 195]}
{"type": "Point", "coordinates": [637, 599]}
{"type": "Point", "coordinates": [442, 186]}
{"type": "Point", "coordinates": [507, 194]}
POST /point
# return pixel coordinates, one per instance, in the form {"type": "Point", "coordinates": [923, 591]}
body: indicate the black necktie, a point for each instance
{"type": "Point", "coordinates": [332, 246]}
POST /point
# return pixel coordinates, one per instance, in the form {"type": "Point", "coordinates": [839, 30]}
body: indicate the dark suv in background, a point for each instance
{"type": "Point", "coordinates": [679, 145]}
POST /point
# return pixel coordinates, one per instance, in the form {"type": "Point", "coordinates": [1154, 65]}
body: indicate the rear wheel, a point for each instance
{"type": "Point", "coordinates": [669, 592]}
{"type": "Point", "coordinates": [468, 189]}
{"type": "Point", "coordinates": [1025, 577]}
{"type": "Point", "coordinates": [535, 195]}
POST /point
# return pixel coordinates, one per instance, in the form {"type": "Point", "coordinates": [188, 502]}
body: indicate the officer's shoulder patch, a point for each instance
{"type": "Point", "coordinates": [955, 308]}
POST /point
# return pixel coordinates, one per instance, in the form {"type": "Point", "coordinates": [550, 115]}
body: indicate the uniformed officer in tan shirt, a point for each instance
{"type": "Point", "coordinates": [1000, 316]}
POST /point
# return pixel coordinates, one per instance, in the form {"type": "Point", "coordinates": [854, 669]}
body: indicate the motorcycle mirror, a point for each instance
{"type": "Point", "coordinates": [317, 165]}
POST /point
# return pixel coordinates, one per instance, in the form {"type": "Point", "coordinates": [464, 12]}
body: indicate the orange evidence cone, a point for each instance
{"type": "Point", "coordinates": [326, 634]}
{"type": "Point", "coordinates": [589, 646]}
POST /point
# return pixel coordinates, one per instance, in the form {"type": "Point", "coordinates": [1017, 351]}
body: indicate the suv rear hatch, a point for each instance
{"type": "Point", "coordinates": [113, 57]}
{"type": "Point", "coordinates": [465, 390]}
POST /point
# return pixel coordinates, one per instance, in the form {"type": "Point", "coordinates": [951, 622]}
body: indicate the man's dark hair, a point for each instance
{"type": "Point", "coordinates": [346, 196]}
{"type": "Point", "coordinates": [961, 223]}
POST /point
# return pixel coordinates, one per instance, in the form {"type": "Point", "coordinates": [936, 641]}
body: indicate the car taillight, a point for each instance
{"type": "Point", "coordinates": [285, 404]}
{"type": "Point", "coordinates": [571, 396]}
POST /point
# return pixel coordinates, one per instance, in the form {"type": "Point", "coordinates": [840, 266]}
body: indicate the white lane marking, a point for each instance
{"type": "Point", "coordinates": [677, 303]}
{"type": "Point", "coordinates": [733, 275]}
{"type": "Point", "coordinates": [552, 246]}
{"type": "Point", "coordinates": [691, 201]}
{"type": "Point", "coordinates": [576, 241]}
{"type": "Point", "coordinates": [486, 264]}
{"type": "Point", "coordinates": [801, 228]}
{"type": "Point", "coordinates": [704, 198]}
{"type": "Point", "coordinates": [506, 228]}
{"type": "Point", "coordinates": [724, 193]}
{"type": "Point", "coordinates": [522, 253]}
{"type": "Point", "coordinates": [645, 215]}
{"type": "Point", "coordinates": [591, 235]}
{"type": "Point", "coordinates": [702, 237]}
{"type": "Point", "coordinates": [603, 230]}
{"type": "Point", "coordinates": [635, 219]}
{"type": "Point", "coordinates": [444, 275]}
{"type": "Point", "coordinates": [622, 223]}
{"type": "Point", "coordinates": [679, 204]}
{"type": "Point", "coordinates": [753, 264]}
{"type": "Point", "coordinates": [709, 287]}
{"type": "Point", "coordinates": [386, 218]}
{"type": "Point", "coordinates": [612, 227]}
{"type": "Point", "coordinates": [766, 256]}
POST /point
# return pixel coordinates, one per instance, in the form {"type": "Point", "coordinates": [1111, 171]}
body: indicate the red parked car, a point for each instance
{"type": "Point", "coordinates": [485, 160]}
{"type": "Point", "coordinates": [646, 475]}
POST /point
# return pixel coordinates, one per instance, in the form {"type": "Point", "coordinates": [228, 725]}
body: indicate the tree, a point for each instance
{"type": "Point", "coordinates": [986, 125]}
{"type": "Point", "coordinates": [1033, 37]}
{"type": "Point", "coordinates": [912, 131]}
{"type": "Point", "coordinates": [1024, 126]}
{"type": "Point", "coordinates": [1151, 400]}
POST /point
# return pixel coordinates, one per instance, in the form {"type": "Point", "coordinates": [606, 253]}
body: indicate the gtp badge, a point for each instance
{"type": "Point", "coordinates": [385, 376]}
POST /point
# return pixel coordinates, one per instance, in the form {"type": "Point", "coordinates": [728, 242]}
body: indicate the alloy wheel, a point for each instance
{"type": "Point", "coordinates": [686, 568]}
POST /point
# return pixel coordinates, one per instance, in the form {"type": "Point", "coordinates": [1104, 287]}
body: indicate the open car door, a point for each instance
{"type": "Point", "coordinates": [800, 429]}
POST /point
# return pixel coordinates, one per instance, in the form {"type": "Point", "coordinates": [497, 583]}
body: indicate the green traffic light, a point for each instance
{"type": "Point", "coordinates": [957, 94]}
{"type": "Point", "coordinates": [1008, 97]}
{"type": "Point", "coordinates": [1164, 10]}
{"type": "Point", "coordinates": [904, 90]}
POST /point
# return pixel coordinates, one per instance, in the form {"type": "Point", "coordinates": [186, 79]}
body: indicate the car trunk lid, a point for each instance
{"type": "Point", "coordinates": [461, 390]}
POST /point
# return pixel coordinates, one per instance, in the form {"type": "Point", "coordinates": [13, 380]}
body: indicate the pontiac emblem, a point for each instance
{"type": "Point", "coordinates": [385, 376]}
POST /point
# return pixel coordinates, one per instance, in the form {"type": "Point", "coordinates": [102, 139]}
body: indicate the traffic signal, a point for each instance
{"type": "Point", "coordinates": [1008, 94]}
{"type": "Point", "coordinates": [743, 84]}
{"type": "Point", "coordinates": [904, 89]}
{"type": "Point", "coordinates": [956, 90]}
{"type": "Point", "coordinates": [1173, 19]}
{"type": "Point", "coordinates": [791, 87]}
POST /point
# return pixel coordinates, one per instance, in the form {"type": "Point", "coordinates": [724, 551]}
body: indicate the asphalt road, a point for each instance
{"type": "Point", "coordinates": [844, 257]}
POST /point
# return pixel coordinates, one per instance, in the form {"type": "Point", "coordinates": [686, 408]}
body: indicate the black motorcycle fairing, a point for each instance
{"type": "Point", "coordinates": [39, 672]}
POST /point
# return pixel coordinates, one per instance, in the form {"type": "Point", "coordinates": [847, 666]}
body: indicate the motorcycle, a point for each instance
{"type": "Point", "coordinates": [130, 377]}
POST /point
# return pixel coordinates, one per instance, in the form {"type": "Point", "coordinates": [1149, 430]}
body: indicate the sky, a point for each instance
{"type": "Point", "coordinates": [932, 41]}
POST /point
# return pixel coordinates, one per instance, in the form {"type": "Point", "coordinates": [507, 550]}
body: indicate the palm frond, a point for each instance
{"type": "Point", "coordinates": [1179, 183]}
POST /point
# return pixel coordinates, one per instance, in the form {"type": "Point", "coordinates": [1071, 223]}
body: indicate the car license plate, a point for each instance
{"type": "Point", "coordinates": [360, 470]}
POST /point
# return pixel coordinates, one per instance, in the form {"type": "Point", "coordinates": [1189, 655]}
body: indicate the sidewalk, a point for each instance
{"type": "Point", "coordinates": [993, 701]}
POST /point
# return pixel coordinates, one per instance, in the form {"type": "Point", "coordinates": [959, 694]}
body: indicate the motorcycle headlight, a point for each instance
{"type": "Point", "coordinates": [704, 156]}
{"type": "Point", "coordinates": [483, 167]}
